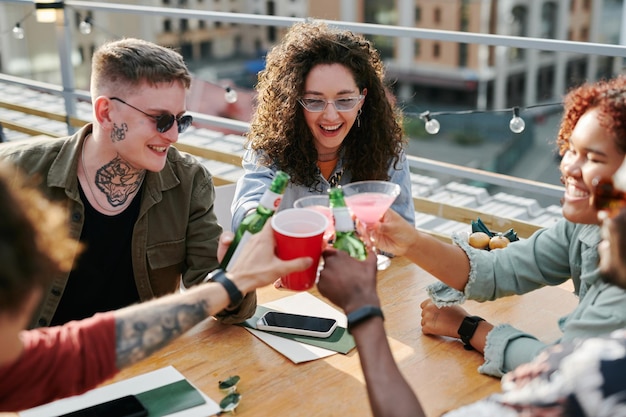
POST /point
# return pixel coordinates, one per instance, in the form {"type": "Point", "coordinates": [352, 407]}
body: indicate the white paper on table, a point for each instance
{"type": "Point", "coordinates": [135, 385]}
{"type": "Point", "coordinates": [301, 303]}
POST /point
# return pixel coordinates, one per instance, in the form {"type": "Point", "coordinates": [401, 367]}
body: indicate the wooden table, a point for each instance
{"type": "Point", "coordinates": [441, 372]}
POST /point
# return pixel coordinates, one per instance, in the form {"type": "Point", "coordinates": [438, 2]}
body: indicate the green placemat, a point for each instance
{"type": "Point", "coordinates": [340, 341]}
{"type": "Point", "coordinates": [171, 398]}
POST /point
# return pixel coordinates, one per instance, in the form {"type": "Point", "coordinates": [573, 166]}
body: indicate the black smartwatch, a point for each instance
{"type": "Point", "coordinates": [467, 329]}
{"type": "Point", "coordinates": [363, 313]}
{"type": "Point", "coordinates": [219, 275]}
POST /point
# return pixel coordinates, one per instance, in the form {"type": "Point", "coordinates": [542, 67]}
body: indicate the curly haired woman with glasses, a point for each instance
{"type": "Point", "coordinates": [325, 117]}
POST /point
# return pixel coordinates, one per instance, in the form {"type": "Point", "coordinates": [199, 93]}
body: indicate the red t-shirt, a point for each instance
{"type": "Point", "coordinates": [59, 362]}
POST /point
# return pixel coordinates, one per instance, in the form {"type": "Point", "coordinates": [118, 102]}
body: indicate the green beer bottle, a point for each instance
{"type": "Point", "coordinates": [253, 223]}
{"type": "Point", "coordinates": [346, 238]}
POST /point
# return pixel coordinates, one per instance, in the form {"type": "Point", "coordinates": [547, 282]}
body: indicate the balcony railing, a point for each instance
{"type": "Point", "coordinates": [71, 96]}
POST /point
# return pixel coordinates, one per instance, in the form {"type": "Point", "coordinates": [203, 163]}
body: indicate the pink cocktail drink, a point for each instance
{"type": "Point", "coordinates": [369, 207]}
{"type": "Point", "coordinates": [369, 200]}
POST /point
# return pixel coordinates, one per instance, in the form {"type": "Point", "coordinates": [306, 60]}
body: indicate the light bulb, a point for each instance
{"type": "Point", "coordinates": [85, 27]}
{"type": "Point", "coordinates": [432, 126]}
{"type": "Point", "coordinates": [230, 95]}
{"type": "Point", "coordinates": [516, 124]}
{"type": "Point", "coordinates": [18, 31]}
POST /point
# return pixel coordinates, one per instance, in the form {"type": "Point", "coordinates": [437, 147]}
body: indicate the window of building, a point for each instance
{"type": "Point", "coordinates": [572, 5]}
{"type": "Point", "coordinates": [586, 5]}
{"type": "Point", "coordinates": [584, 34]}
{"type": "Point", "coordinates": [418, 14]}
{"type": "Point", "coordinates": [417, 47]}
{"type": "Point", "coordinates": [437, 15]}
{"type": "Point", "coordinates": [201, 24]}
{"type": "Point", "coordinates": [548, 20]}
{"type": "Point", "coordinates": [167, 26]}
{"type": "Point", "coordinates": [184, 25]}
{"type": "Point", "coordinates": [166, 2]}
{"type": "Point", "coordinates": [518, 27]}
{"type": "Point", "coordinates": [436, 50]}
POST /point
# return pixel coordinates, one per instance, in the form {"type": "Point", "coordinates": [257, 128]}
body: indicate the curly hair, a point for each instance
{"type": "Point", "coordinates": [34, 239]}
{"type": "Point", "coordinates": [278, 129]}
{"type": "Point", "coordinates": [609, 97]}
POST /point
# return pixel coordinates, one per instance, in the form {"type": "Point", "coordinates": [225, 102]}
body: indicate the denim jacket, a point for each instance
{"type": "Point", "coordinates": [176, 234]}
{"type": "Point", "coordinates": [257, 178]}
{"type": "Point", "coordinates": [550, 256]}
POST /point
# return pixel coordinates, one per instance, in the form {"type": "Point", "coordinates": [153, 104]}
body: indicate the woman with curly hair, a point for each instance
{"type": "Point", "coordinates": [592, 141]}
{"type": "Point", "coordinates": [323, 116]}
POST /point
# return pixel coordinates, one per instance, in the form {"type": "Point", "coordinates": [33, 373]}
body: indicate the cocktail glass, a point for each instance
{"type": "Point", "coordinates": [319, 203]}
{"type": "Point", "coordinates": [368, 201]}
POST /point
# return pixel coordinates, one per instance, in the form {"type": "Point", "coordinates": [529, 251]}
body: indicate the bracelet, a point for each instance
{"type": "Point", "coordinates": [467, 329]}
{"type": "Point", "coordinates": [219, 276]}
{"type": "Point", "coordinates": [362, 314]}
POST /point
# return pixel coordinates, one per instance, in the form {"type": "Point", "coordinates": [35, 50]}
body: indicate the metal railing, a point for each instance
{"type": "Point", "coordinates": [70, 94]}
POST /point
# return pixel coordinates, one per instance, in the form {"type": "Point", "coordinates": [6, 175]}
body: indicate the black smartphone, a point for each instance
{"type": "Point", "coordinates": [128, 406]}
{"type": "Point", "coordinates": [297, 324]}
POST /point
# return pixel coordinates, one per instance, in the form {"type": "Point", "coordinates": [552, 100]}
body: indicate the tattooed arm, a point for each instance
{"type": "Point", "coordinates": [144, 328]}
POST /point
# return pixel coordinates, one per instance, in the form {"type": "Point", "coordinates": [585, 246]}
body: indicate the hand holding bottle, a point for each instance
{"type": "Point", "coordinates": [346, 238]}
{"type": "Point", "coordinates": [253, 223]}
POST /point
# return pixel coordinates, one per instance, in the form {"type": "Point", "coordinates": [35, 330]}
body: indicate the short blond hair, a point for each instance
{"type": "Point", "coordinates": [125, 65]}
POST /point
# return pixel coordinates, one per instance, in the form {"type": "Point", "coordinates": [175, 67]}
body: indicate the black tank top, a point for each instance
{"type": "Point", "coordinates": [102, 278]}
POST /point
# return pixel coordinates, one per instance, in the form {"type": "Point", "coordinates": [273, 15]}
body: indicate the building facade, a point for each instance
{"type": "Point", "coordinates": [422, 70]}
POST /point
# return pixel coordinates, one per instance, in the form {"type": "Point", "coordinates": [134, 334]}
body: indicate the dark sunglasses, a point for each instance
{"type": "Point", "coordinates": [164, 122]}
{"type": "Point", "coordinates": [607, 198]}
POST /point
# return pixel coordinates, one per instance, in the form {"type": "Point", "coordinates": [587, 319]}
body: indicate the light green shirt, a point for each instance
{"type": "Point", "coordinates": [550, 256]}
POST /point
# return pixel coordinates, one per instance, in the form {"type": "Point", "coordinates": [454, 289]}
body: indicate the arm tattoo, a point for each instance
{"type": "Point", "coordinates": [139, 334]}
{"type": "Point", "coordinates": [118, 180]}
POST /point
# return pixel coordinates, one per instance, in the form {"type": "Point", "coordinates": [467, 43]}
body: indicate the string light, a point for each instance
{"type": "Point", "coordinates": [230, 95]}
{"type": "Point", "coordinates": [516, 124]}
{"type": "Point", "coordinates": [432, 125]}
{"type": "Point", "coordinates": [18, 31]}
{"type": "Point", "coordinates": [85, 26]}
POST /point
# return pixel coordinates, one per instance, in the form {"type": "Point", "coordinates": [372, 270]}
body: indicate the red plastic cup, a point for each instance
{"type": "Point", "coordinates": [299, 232]}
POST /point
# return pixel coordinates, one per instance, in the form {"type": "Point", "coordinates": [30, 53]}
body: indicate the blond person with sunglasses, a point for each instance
{"type": "Point", "coordinates": [592, 142]}
{"type": "Point", "coordinates": [325, 117]}
{"type": "Point", "coordinates": [142, 209]}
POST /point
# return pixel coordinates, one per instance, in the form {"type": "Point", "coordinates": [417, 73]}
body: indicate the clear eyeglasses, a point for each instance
{"type": "Point", "coordinates": [317, 105]}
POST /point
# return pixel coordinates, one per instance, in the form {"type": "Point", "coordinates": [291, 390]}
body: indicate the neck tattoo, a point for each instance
{"type": "Point", "coordinates": [116, 180]}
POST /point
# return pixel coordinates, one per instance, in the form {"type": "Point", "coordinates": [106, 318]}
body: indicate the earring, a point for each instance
{"type": "Point", "coordinates": [358, 118]}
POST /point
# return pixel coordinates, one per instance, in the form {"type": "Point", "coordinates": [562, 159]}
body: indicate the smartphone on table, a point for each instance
{"type": "Point", "coordinates": [299, 324]}
{"type": "Point", "coordinates": [128, 406]}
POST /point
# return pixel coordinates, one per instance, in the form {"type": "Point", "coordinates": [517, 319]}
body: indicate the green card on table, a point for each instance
{"type": "Point", "coordinates": [170, 398]}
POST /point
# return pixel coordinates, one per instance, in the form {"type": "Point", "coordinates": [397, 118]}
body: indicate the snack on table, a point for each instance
{"type": "Point", "coordinates": [483, 238]}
